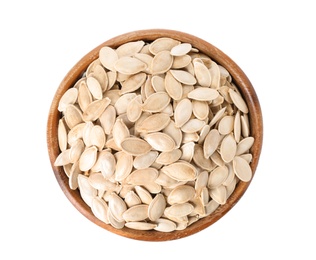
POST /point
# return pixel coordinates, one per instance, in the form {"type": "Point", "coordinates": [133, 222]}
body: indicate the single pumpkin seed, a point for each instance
{"type": "Point", "coordinates": [129, 48]}
{"type": "Point", "coordinates": [180, 210]}
{"type": "Point", "coordinates": [94, 87]}
{"type": "Point", "coordinates": [158, 83]}
{"type": "Point", "coordinates": [73, 116]}
{"type": "Point", "coordinates": [181, 194]}
{"type": "Point", "coordinates": [88, 158]}
{"type": "Point", "coordinates": [156, 102]}
{"type": "Point", "coordinates": [237, 127]}
{"type": "Point", "coordinates": [100, 209]}
{"type": "Point", "coordinates": [117, 206]}
{"type": "Point", "coordinates": [202, 74]}
{"type": "Point", "coordinates": [244, 145]}
{"type": "Point", "coordinates": [124, 165]}
{"type": "Point", "coordinates": [132, 199]}
{"type": "Point", "coordinates": [133, 83]}
{"type": "Point", "coordinates": [242, 169]}
{"type": "Point", "coordinates": [219, 194]}
{"type": "Point", "coordinates": [145, 160]}
{"type": "Point", "coordinates": [226, 125]}
{"type": "Point", "coordinates": [161, 62]}
{"type": "Point", "coordinates": [95, 109]}
{"type": "Point", "coordinates": [192, 126]}
{"type": "Point", "coordinates": [183, 112]}
{"type": "Point", "coordinates": [76, 150]}
{"type": "Point", "coordinates": [160, 141]}
{"type": "Point", "coordinates": [174, 132]}
{"type": "Point", "coordinates": [101, 76]}
{"type": "Point", "coordinates": [180, 62]}
{"type": "Point", "coordinates": [173, 87]}
{"type": "Point", "coordinates": [165, 225]}
{"type": "Point", "coordinates": [238, 101]}
{"type": "Point", "coordinates": [84, 96]}
{"type": "Point", "coordinates": [142, 176]}
{"type": "Point", "coordinates": [166, 158]}
{"type": "Point", "coordinates": [200, 160]}
{"type": "Point", "coordinates": [108, 57]}
{"type": "Point", "coordinates": [143, 194]}
{"type": "Point", "coordinates": [200, 109]}
{"type": "Point", "coordinates": [107, 119]}
{"type": "Point", "coordinates": [73, 176]}
{"type": "Point", "coordinates": [181, 49]}
{"type": "Point", "coordinates": [136, 213]}
{"type": "Point", "coordinates": [228, 148]}
{"type": "Point", "coordinates": [215, 75]}
{"type": "Point", "coordinates": [129, 65]}
{"type": "Point", "coordinates": [217, 177]}
{"type": "Point", "coordinates": [68, 98]}
{"type": "Point", "coordinates": [108, 164]}
{"type": "Point", "coordinates": [135, 146]}
{"type": "Point", "coordinates": [203, 94]}
{"type": "Point", "coordinates": [140, 225]}
{"type": "Point", "coordinates": [180, 171]}
{"type": "Point", "coordinates": [62, 135]}
{"type": "Point", "coordinates": [134, 109]}
{"type": "Point", "coordinates": [156, 207]}
{"type": "Point", "coordinates": [97, 137]}
{"type": "Point", "coordinates": [154, 123]}
{"type": "Point", "coordinates": [183, 77]}
{"type": "Point", "coordinates": [120, 132]}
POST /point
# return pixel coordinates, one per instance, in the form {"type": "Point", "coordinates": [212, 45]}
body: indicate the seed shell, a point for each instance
{"type": "Point", "coordinates": [183, 112]}
{"type": "Point", "coordinates": [145, 160]}
{"type": "Point", "coordinates": [139, 225]}
{"type": "Point", "coordinates": [161, 62]}
{"type": "Point", "coordinates": [95, 109]}
{"type": "Point", "coordinates": [129, 65]}
{"type": "Point", "coordinates": [173, 86]}
{"type": "Point", "coordinates": [203, 94]}
{"type": "Point", "coordinates": [160, 141]}
{"type": "Point", "coordinates": [181, 49]}
{"type": "Point", "coordinates": [136, 213]}
{"type": "Point", "coordinates": [156, 102]}
{"type": "Point", "coordinates": [228, 148]}
{"type": "Point", "coordinates": [238, 101]}
{"type": "Point", "coordinates": [165, 225]}
{"type": "Point", "coordinates": [108, 57]}
{"type": "Point", "coordinates": [179, 210]}
{"type": "Point", "coordinates": [100, 209]}
{"type": "Point", "coordinates": [202, 74]}
{"type": "Point", "coordinates": [68, 98]}
{"type": "Point", "coordinates": [154, 123]}
{"type": "Point", "coordinates": [181, 194]}
{"type": "Point", "coordinates": [242, 169]}
{"type": "Point", "coordinates": [156, 207]}
{"type": "Point", "coordinates": [180, 171]}
{"type": "Point", "coordinates": [183, 77]}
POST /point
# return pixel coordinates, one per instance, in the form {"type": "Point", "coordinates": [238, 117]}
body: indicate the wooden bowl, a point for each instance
{"type": "Point", "coordinates": [240, 80]}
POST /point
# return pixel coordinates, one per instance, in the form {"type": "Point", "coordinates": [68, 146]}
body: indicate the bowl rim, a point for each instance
{"type": "Point", "coordinates": [239, 78]}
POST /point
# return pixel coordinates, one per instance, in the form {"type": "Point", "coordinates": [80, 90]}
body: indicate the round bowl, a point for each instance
{"type": "Point", "coordinates": [240, 80]}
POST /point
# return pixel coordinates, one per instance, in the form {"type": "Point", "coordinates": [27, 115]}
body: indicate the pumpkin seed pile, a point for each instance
{"type": "Point", "coordinates": [155, 135]}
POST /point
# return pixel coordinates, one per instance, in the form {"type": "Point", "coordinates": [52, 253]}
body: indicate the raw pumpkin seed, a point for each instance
{"type": "Point", "coordinates": [154, 135]}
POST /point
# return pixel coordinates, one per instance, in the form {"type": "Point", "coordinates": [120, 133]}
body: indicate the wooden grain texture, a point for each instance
{"type": "Point", "coordinates": [239, 78]}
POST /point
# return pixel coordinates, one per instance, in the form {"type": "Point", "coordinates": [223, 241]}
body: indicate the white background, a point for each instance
{"type": "Point", "coordinates": [272, 41]}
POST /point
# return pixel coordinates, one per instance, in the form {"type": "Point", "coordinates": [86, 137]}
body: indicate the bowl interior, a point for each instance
{"type": "Point", "coordinates": [240, 80]}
